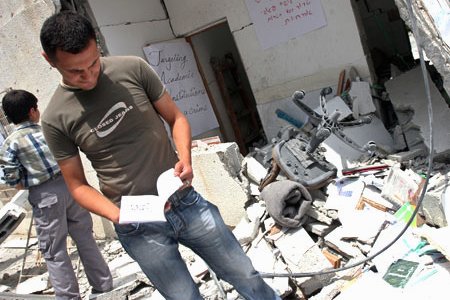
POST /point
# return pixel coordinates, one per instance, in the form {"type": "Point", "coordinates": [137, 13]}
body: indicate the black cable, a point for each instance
{"type": "Point", "coordinates": [424, 189]}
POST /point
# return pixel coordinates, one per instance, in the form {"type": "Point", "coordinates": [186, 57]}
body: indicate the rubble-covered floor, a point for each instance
{"type": "Point", "coordinates": [355, 238]}
{"type": "Point", "coordinates": [350, 219]}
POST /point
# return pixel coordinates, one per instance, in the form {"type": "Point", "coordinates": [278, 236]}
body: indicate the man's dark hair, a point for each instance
{"type": "Point", "coordinates": [66, 31]}
{"type": "Point", "coordinates": [17, 104]}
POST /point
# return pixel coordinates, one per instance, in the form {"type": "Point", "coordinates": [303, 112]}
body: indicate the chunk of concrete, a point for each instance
{"type": "Point", "coordinates": [362, 99]}
{"type": "Point", "coordinates": [34, 284]}
{"type": "Point", "coordinates": [264, 260]}
{"type": "Point", "coordinates": [216, 170]}
{"type": "Point", "coordinates": [247, 229]}
{"type": "Point", "coordinates": [408, 89]}
{"type": "Point", "coordinates": [302, 255]}
{"type": "Point", "coordinates": [11, 215]}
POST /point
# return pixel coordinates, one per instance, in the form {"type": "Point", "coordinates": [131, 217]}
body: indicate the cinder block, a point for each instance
{"type": "Point", "coordinates": [216, 170]}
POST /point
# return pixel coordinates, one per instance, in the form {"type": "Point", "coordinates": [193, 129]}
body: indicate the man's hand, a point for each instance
{"type": "Point", "coordinates": [184, 171]}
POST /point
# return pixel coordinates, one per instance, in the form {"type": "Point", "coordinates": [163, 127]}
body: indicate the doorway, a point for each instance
{"type": "Point", "coordinates": [228, 87]}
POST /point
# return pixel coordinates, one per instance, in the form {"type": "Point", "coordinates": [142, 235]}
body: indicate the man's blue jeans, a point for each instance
{"type": "Point", "coordinates": [197, 224]}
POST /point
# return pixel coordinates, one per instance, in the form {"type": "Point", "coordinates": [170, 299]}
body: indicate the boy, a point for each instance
{"type": "Point", "coordinates": [28, 163]}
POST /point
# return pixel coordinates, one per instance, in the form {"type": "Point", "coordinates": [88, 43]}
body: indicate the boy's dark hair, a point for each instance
{"type": "Point", "coordinates": [66, 31]}
{"type": "Point", "coordinates": [17, 104]}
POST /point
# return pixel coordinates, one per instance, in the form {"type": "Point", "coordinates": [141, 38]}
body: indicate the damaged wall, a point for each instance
{"type": "Point", "coordinates": [407, 94]}
{"type": "Point", "coordinates": [435, 46]}
{"type": "Point", "coordinates": [276, 72]}
{"type": "Point", "coordinates": [273, 74]}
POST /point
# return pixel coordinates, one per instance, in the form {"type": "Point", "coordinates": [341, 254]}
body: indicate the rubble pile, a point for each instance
{"type": "Point", "coordinates": [328, 253]}
{"type": "Point", "coordinates": [348, 220]}
{"type": "Point", "coordinates": [321, 215]}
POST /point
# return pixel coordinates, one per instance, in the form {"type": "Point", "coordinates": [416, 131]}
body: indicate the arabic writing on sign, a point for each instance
{"type": "Point", "coordinates": [277, 21]}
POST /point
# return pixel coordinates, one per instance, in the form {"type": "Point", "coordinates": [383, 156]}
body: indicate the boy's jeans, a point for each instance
{"type": "Point", "coordinates": [197, 224]}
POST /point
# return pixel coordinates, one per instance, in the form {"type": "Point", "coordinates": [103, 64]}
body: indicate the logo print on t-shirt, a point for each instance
{"type": "Point", "coordinates": [112, 119]}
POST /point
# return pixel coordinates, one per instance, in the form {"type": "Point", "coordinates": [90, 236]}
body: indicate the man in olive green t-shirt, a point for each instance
{"type": "Point", "coordinates": [111, 108]}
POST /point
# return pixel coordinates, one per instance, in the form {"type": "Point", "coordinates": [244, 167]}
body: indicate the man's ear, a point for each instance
{"type": "Point", "coordinates": [47, 59]}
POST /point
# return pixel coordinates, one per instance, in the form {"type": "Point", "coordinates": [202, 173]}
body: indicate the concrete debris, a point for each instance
{"type": "Point", "coordinates": [266, 259]}
{"type": "Point", "coordinates": [350, 220]}
{"type": "Point", "coordinates": [34, 284]}
{"type": "Point", "coordinates": [407, 155]}
{"type": "Point", "coordinates": [216, 177]}
{"type": "Point", "coordinates": [409, 88]}
{"type": "Point", "coordinates": [246, 230]}
{"type": "Point", "coordinates": [12, 214]}
{"type": "Point", "coordinates": [361, 98]}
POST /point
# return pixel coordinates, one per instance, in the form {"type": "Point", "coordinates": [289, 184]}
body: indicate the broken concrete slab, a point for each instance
{"type": "Point", "coordinates": [19, 243]}
{"type": "Point", "coordinates": [265, 260]}
{"type": "Point", "coordinates": [407, 155]}
{"type": "Point", "coordinates": [14, 296]}
{"type": "Point", "coordinates": [124, 291]}
{"type": "Point", "coordinates": [343, 278]}
{"type": "Point", "coordinates": [301, 255]}
{"type": "Point", "coordinates": [318, 228]}
{"type": "Point", "coordinates": [432, 211]}
{"type": "Point", "coordinates": [362, 225]}
{"type": "Point", "coordinates": [11, 215]}
{"type": "Point", "coordinates": [253, 169]}
{"type": "Point", "coordinates": [361, 98]}
{"type": "Point", "coordinates": [408, 90]}
{"type": "Point", "coordinates": [246, 230]}
{"type": "Point", "coordinates": [34, 284]}
{"type": "Point", "coordinates": [335, 240]}
{"type": "Point", "coordinates": [216, 169]}
{"type": "Point", "coordinates": [430, 16]}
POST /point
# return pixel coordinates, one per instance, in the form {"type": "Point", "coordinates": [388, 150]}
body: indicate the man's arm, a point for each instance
{"type": "Point", "coordinates": [181, 134]}
{"type": "Point", "coordinates": [85, 194]}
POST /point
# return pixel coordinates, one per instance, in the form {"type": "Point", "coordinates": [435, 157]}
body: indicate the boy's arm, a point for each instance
{"type": "Point", "coordinates": [83, 192]}
{"type": "Point", "coordinates": [11, 166]}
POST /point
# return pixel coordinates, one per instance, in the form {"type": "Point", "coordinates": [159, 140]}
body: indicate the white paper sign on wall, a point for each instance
{"type": "Point", "coordinates": [279, 21]}
{"type": "Point", "coordinates": [175, 64]}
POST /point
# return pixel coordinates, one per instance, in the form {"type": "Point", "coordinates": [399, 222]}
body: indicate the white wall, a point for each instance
{"type": "Point", "coordinates": [127, 26]}
{"type": "Point", "coordinates": [22, 65]}
{"type": "Point", "coordinates": [309, 62]}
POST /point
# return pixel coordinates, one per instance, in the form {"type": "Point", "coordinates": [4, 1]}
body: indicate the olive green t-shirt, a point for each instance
{"type": "Point", "coordinates": [115, 125]}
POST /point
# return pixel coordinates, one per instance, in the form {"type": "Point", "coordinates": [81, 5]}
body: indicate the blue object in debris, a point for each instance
{"type": "Point", "coordinates": [283, 115]}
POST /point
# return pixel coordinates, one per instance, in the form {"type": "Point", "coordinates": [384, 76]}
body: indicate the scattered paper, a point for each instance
{"type": "Point", "coordinates": [346, 192]}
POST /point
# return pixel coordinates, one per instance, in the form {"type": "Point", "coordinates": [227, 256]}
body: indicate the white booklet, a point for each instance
{"type": "Point", "coordinates": [149, 208]}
